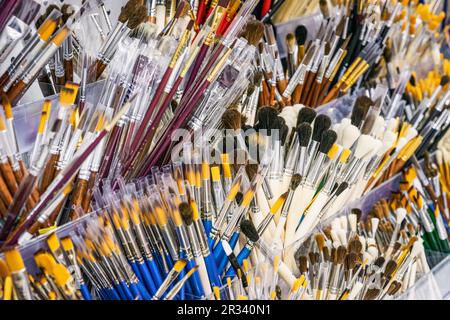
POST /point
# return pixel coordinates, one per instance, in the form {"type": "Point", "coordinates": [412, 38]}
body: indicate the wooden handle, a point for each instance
{"type": "Point", "coordinates": [297, 94]}
{"type": "Point", "coordinates": [49, 172]}
{"type": "Point", "coordinates": [68, 69]}
{"type": "Point", "coordinates": [87, 199]}
{"type": "Point", "coordinates": [35, 193]}
{"type": "Point", "coordinates": [3, 208]}
{"type": "Point", "coordinates": [9, 177]}
{"type": "Point", "coordinates": [100, 68]}
{"type": "Point", "coordinates": [78, 196]}
{"type": "Point", "coordinates": [4, 192]}
{"type": "Point", "coordinates": [16, 91]}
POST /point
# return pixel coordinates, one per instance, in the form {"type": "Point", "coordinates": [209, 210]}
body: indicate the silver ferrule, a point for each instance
{"type": "Point", "coordinates": [202, 238]}
{"type": "Point", "coordinates": [372, 166]}
{"type": "Point", "coordinates": [297, 78]}
{"type": "Point", "coordinates": [37, 64]}
{"type": "Point", "coordinates": [170, 242]}
{"type": "Point", "coordinates": [267, 189]}
{"type": "Point", "coordinates": [274, 173]}
{"type": "Point", "coordinates": [207, 206]}
{"type": "Point", "coordinates": [426, 220]}
{"type": "Point", "coordinates": [234, 222]}
{"type": "Point", "coordinates": [195, 245]}
{"type": "Point", "coordinates": [21, 285]}
{"type": "Point", "coordinates": [125, 244]}
{"type": "Point", "coordinates": [220, 219]}
{"type": "Point", "coordinates": [287, 203]}
{"type": "Point", "coordinates": [356, 172]}
{"type": "Point", "coordinates": [141, 239]}
{"type": "Point", "coordinates": [314, 172]}
{"type": "Point", "coordinates": [311, 155]}
{"type": "Point", "coordinates": [68, 48]}
{"type": "Point", "coordinates": [184, 242]}
{"type": "Point", "coordinates": [171, 277]}
{"type": "Point", "coordinates": [111, 39]}
{"type": "Point", "coordinates": [332, 179]}
{"type": "Point", "coordinates": [219, 196]}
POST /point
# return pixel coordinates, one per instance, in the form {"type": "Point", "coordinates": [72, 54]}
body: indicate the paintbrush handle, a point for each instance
{"type": "Point", "coordinates": [9, 176]}
{"type": "Point", "coordinates": [90, 192]}
{"type": "Point", "coordinates": [5, 194]}
{"type": "Point", "coordinates": [78, 196]}
{"type": "Point", "coordinates": [49, 172]}
{"type": "Point", "coordinates": [18, 203]}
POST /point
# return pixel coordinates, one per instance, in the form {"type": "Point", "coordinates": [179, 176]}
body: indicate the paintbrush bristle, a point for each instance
{"type": "Point", "coordinates": [249, 230]}
{"type": "Point", "coordinates": [186, 213]}
{"type": "Point", "coordinates": [295, 181]}
{"type": "Point", "coordinates": [362, 105]}
{"type": "Point", "coordinates": [254, 31]}
{"type": "Point", "coordinates": [323, 4]}
{"type": "Point", "coordinates": [321, 124]}
{"type": "Point", "coordinates": [232, 119]}
{"type": "Point", "coordinates": [307, 115]}
{"type": "Point", "coordinates": [304, 132]}
{"type": "Point", "coordinates": [340, 254]}
{"type": "Point", "coordinates": [301, 33]}
{"type": "Point", "coordinates": [320, 240]}
{"type": "Point", "coordinates": [444, 80]}
{"type": "Point", "coordinates": [329, 137]}
{"type": "Point", "coordinates": [303, 264]}
{"type": "Point", "coordinates": [391, 266]}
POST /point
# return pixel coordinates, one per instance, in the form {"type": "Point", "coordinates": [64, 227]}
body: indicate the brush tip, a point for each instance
{"type": "Point", "coordinates": [249, 230]}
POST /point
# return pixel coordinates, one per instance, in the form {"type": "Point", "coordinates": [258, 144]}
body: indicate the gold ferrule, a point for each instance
{"type": "Point", "coordinates": [219, 66]}
{"type": "Point", "coordinates": [180, 48]}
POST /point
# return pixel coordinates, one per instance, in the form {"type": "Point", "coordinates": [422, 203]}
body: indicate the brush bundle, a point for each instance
{"type": "Point", "coordinates": [208, 159]}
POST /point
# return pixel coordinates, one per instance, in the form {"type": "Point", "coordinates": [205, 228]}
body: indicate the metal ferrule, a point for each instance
{"type": "Point", "coordinates": [170, 242]}
{"type": "Point", "coordinates": [125, 245]}
{"type": "Point", "coordinates": [311, 155]}
{"type": "Point", "coordinates": [347, 170]}
{"type": "Point", "coordinates": [33, 43]}
{"type": "Point", "coordinates": [133, 245]}
{"type": "Point", "coordinates": [314, 172]}
{"type": "Point", "coordinates": [59, 68]}
{"type": "Point", "coordinates": [234, 222]}
{"type": "Point", "coordinates": [165, 285]}
{"type": "Point", "coordinates": [297, 78]}
{"type": "Point", "coordinates": [426, 220]}
{"type": "Point", "coordinates": [195, 245]}
{"type": "Point", "coordinates": [356, 172]}
{"type": "Point", "coordinates": [99, 274]}
{"type": "Point", "coordinates": [327, 206]}
{"type": "Point", "coordinates": [322, 69]}
{"type": "Point", "coordinates": [68, 48]}
{"type": "Point", "coordinates": [111, 39]}
{"type": "Point", "coordinates": [267, 189]}
{"type": "Point", "coordinates": [333, 284]}
{"type": "Point", "coordinates": [287, 203]}
{"type": "Point", "coordinates": [220, 219]}
{"type": "Point", "coordinates": [274, 173]}
{"type": "Point", "coordinates": [262, 227]}
{"type": "Point", "coordinates": [37, 64]}
{"type": "Point", "coordinates": [106, 17]}
{"type": "Point", "coordinates": [207, 206]}
{"type": "Point", "coordinates": [202, 238]}
{"type": "Point", "coordinates": [109, 271]}
{"type": "Point", "coordinates": [98, 155]}
{"type": "Point", "coordinates": [21, 285]}
{"type": "Point", "coordinates": [184, 242]}
{"type": "Point", "coordinates": [174, 75]}
{"type": "Point", "coordinates": [332, 179]}
{"type": "Point", "coordinates": [372, 166]}
{"type": "Point", "coordinates": [64, 144]}
{"type": "Point", "coordinates": [333, 63]}
{"type": "Point", "coordinates": [219, 196]}
{"type": "Point", "coordinates": [291, 162]}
